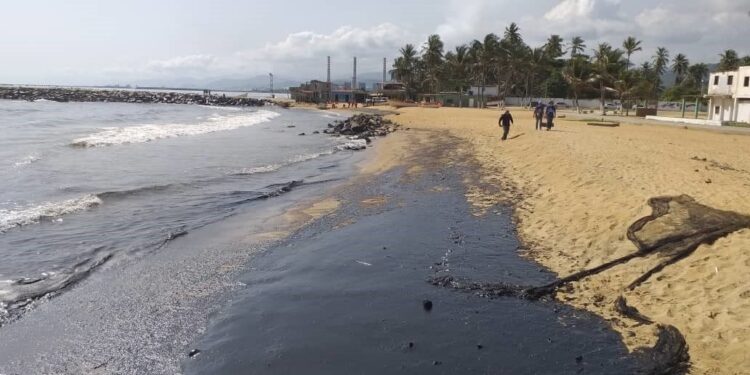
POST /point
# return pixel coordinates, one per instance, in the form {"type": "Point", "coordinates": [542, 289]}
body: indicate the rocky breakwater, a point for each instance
{"type": "Point", "coordinates": [60, 94]}
{"type": "Point", "coordinates": [360, 129]}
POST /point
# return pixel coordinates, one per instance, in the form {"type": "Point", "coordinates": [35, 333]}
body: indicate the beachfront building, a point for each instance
{"type": "Point", "coordinates": [311, 92]}
{"type": "Point", "coordinates": [729, 96]}
{"type": "Point", "coordinates": [393, 90]}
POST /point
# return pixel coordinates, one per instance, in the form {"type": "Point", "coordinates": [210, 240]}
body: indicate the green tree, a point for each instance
{"type": "Point", "coordinates": [577, 73]}
{"type": "Point", "coordinates": [697, 75]}
{"type": "Point", "coordinates": [458, 63]}
{"type": "Point", "coordinates": [680, 66]}
{"type": "Point", "coordinates": [405, 69]}
{"type": "Point", "coordinates": [606, 66]}
{"type": "Point", "coordinates": [432, 58]}
{"type": "Point", "coordinates": [631, 46]}
{"type": "Point", "coordinates": [660, 61]}
{"type": "Point", "coordinates": [729, 61]}
{"type": "Point", "coordinates": [512, 59]}
{"type": "Point", "coordinates": [554, 47]}
{"type": "Point", "coordinates": [577, 46]}
{"type": "Point", "coordinates": [745, 61]}
{"type": "Point", "coordinates": [483, 55]}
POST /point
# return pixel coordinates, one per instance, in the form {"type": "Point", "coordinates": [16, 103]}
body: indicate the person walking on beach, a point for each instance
{"type": "Point", "coordinates": [551, 114]}
{"type": "Point", "coordinates": [505, 120]}
{"type": "Point", "coordinates": [539, 115]}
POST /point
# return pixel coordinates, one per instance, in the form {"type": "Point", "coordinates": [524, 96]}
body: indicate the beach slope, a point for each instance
{"type": "Point", "coordinates": [576, 191]}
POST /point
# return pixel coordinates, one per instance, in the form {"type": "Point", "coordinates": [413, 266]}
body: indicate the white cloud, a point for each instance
{"type": "Point", "coordinates": [467, 20]}
{"type": "Point", "coordinates": [570, 9]}
{"type": "Point", "coordinates": [346, 40]}
{"type": "Point", "coordinates": [181, 63]}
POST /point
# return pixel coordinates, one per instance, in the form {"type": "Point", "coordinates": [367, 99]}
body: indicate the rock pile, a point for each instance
{"type": "Point", "coordinates": [363, 126]}
{"type": "Point", "coordinates": [60, 94]}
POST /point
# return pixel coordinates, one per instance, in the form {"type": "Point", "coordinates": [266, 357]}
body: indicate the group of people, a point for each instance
{"type": "Point", "coordinates": [541, 112]}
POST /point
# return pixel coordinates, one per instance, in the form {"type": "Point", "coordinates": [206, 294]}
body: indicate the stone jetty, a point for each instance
{"type": "Point", "coordinates": [61, 94]}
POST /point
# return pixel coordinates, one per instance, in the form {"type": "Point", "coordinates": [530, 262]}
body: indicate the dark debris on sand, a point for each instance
{"type": "Point", "coordinates": [676, 227]}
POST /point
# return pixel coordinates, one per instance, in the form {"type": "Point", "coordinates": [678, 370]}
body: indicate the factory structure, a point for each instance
{"type": "Point", "coordinates": [350, 92]}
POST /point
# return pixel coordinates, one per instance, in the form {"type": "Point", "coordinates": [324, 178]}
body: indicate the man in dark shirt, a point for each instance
{"type": "Point", "coordinates": [551, 114]}
{"type": "Point", "coordinates": [539, 115]}
{"type": "Point", "coordinates": [505, 120]}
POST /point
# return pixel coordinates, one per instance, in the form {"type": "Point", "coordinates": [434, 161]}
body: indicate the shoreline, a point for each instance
{"type": "Point", "coordinates": [570, 217]}
{"type": "Point", "coordinates": [344, 294]}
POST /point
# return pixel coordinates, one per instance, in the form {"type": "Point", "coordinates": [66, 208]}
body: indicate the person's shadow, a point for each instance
{"type": "Point", "coordinates": [516, 136]}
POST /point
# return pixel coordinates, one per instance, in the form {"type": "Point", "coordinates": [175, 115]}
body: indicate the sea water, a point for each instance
{"type": "Point", "coordinates": [87, 184]}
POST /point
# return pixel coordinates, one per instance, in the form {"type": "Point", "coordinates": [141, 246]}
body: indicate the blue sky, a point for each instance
{"type": "Point", "coordinates": [99, 41]}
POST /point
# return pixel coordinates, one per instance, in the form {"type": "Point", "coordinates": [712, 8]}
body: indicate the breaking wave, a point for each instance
{"type": "Point", "coordinates": [27, 160]}
{"type": "Point", "coordinates": [275, 167]}
{"type": "Point", "coordinates": [151, 132]}
{"type": "Point", "coordinates": [12, 218]}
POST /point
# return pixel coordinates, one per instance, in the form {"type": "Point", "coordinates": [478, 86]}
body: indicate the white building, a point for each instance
{"type": "Point", "coordinates": [729, 96]}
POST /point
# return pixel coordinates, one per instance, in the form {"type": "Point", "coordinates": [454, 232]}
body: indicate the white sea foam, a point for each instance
{"type": "Point", "coordinates": [275, 167]}
{"type": "Point", "coordinates": [151, 132]}
{"type": "Point", "coordinates": [224, 108]}
{"type": "Point", "coordinates": [354, 144]}
{"type": "Point", "coordinates": [257, 170]}
{"type": "Point", "coordinates": [11, 218]}
{"type": "Point", "coordinates": [27, 160]}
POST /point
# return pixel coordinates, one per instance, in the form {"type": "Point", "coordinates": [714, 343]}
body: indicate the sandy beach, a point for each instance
{"type": "Point", "coordinates": [577, 189]}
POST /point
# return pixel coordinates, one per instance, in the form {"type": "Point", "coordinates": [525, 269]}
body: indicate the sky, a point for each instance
{"type": "Point", "coordinates": [94, 42]}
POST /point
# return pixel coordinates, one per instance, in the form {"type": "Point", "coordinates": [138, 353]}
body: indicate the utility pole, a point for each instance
{"type": "Point", "coordinates": [270, 75]}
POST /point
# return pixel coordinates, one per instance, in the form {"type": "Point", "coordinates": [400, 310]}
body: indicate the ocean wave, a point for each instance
{"type": "Point", "coordinates": [152, 132]}
{"type": "Point", "coordinates": [117, 194]}
{"type": "Point", "coordinates": [17, 295]}
{"type": "Point", "coordinates": [275, 167]}
{"type": "Point", "coordinates": [257, 170]}
{"type": "Point", "coordinates": [224, 108]}
{"type": "Point", "coordinates": [27, 160]}
{"type": "Point", "coordinates": [10, 219]}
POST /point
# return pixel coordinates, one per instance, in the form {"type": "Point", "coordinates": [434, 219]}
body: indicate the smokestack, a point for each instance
{"type": "Point", "coordinates": [384, 65]}
{"type": "Point", "coordinates": [328, 77]}
{"type": "Point", "coordinates": [354, 76]}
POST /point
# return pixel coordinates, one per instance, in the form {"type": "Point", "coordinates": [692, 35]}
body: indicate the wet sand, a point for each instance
{"type": "Point", "coordinates": [139, 314]}
{"type": "Point", "coordinates": [576, 190]}
{"type": "Point", "coordinates": [346, 294]}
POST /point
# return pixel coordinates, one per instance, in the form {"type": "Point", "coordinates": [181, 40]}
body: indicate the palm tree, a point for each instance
{"type": "Point", "coordinates": [697, 74]}
{"type": "Point", "coordinates": [625, 87]}
{"type": "Point", "coordinates": [631, 46]}
{"type": "Point", "coordinates": [513, 34]}
{"type": "Point", "coordinates": [554, 47]}
{"type": "Point", "coordinates": [432, 56]}
{"type": "Point", "coordinates": [405, 69]}
{"type": "Point", "coordinates": [577, 74]}
{"type": "Point", "coordinates": [513, 55]}
{"type": "Point", "coordinates": [483, 55]}
{"type": "Point", "coordinates": [577, 47]}
{"type": "Point", "coordinates": [458, 69]}
{"type": "Point", "coordinates": [661, 59]}
{"type": "Point", "coordinates": [729, 61]}
{"type": "Point", "coordinates": [606, 66]}
{"type": "Point", "coordinates": [536, 62]}
{"type": "Point", "coordinates": [680, 66]}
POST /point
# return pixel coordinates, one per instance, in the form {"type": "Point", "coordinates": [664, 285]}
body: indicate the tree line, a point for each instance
{"type": "Point", "coordinates": [555, 69]}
